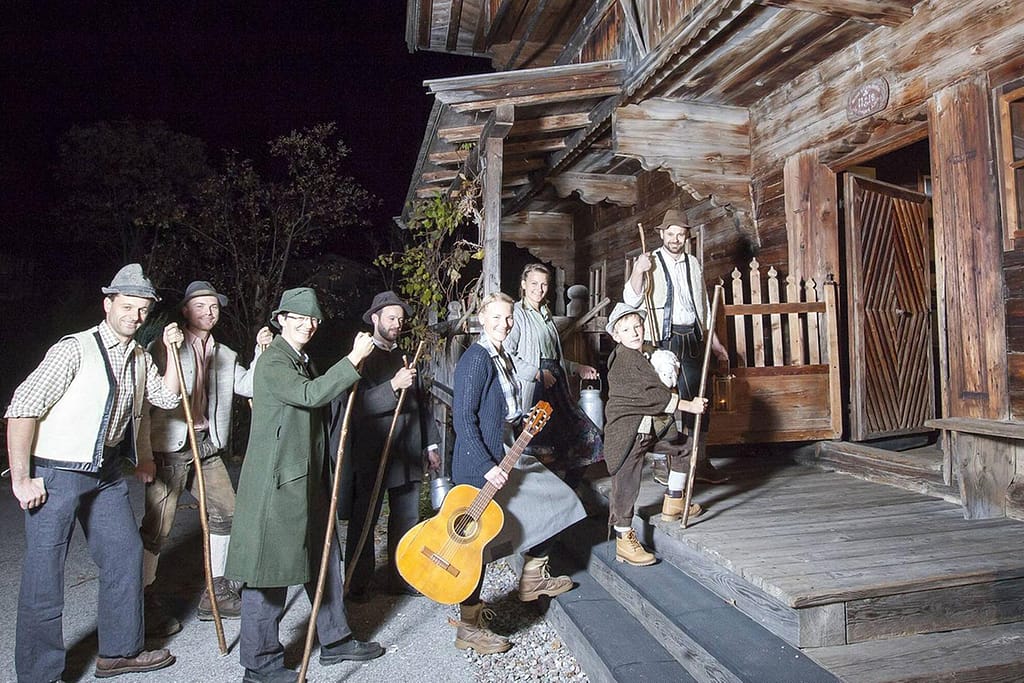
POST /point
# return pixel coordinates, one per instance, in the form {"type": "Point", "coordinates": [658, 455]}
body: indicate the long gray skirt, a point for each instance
{"type": "Point", "coordinates": [537, 505]}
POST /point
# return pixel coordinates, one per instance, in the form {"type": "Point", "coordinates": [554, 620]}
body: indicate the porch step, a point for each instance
{"type": "Point", "coordinates": [918, 470]}
{"type": "Point", "coordinates": [710, 638]}
{"type": "Point", "coordinates": [992, 654]}
{"type": "Point", "coordinates": [608, 642]}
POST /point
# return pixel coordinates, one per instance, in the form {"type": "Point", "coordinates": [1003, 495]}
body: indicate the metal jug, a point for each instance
{"type": "Point", "coordinates": [439, 488]}
{"type": "Point", "coordinates": [591, 403]}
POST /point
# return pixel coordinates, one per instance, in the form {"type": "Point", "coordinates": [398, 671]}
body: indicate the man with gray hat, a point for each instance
{"type": "Point", "coordinates": [681, 310]}
{"type": "Point", "coordinates": [414, 444]}
{"type": "Point", "coordinates": [213, 375]}
{"type": "Point", "coordinates": [72, 424]}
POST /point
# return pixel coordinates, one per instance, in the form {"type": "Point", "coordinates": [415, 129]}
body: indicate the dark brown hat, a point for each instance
{"type": "Point", "coordinates": [676, 218]}
{"type": "Point", "coordinates": [382, 300]}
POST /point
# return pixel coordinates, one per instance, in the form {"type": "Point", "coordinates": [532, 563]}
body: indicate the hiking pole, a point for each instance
{"type": "Point", "coordinates": [648, 283]}
{"type": "Point", "coordinates": [328, 536]}
{"type": "Point", "coordinates": [350, 562]}
{"type": "Point", "coordinates": [700, 394]}
{"type": "Point", "coordinates": [197, 465]}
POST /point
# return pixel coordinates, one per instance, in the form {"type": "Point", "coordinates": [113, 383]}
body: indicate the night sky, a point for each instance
{"type": "Point", "coordinates": [234, 76]}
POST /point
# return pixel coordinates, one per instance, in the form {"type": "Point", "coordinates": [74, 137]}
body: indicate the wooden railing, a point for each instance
{"type": "Point", "coordinates": [783, 383]}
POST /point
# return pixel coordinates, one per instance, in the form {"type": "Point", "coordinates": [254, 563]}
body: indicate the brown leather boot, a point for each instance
{"type": "Point", "coordinates": [536, 580]}
{"type": "Point", "coordinates": [228, 601]}
{"type": "Point", "coordinates": [672, 508]}
{"type": "Point", "coordinates": [472, 631]}
{"type": "Point", "coordinates": [629, 550]}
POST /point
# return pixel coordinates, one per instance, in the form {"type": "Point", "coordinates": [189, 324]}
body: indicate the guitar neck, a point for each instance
{"type": "Point", "coordinates": [506, 464]}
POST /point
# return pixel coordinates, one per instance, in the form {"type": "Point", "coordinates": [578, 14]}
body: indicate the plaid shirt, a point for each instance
{"type": "Point", "coordinates": [48, 382]}
{"type": "Point", "coordinates": [507, 378]}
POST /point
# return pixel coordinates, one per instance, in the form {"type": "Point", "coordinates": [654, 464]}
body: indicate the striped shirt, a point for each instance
{"type": "Point", "coordinates": [507, 378]}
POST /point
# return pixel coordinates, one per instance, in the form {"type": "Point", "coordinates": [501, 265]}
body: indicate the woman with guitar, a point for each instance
{"type": "Point", "coordinates": [536, 503]}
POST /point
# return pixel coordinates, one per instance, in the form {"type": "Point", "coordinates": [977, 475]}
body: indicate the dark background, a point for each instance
{"type": "Point", "coordinates": [233, 75]}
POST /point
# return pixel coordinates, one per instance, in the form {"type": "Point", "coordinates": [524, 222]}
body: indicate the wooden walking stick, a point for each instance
{"type": "Point", "coordinates": [328, 536]}
{"type": "Point", "coordinates": [700, 394]}
{"type": "Point", "coordinates": [648, 283]}
{"type": "Point", "coordinates": [350, 562]}
{"type": "Point", "coordinates": [197, 464]}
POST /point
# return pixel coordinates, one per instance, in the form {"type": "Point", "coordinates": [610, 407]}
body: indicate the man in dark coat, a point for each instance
{"type": "Point", "coordinates": [283, 496]}
{"type": "Point", "coordinates": [384, 376]}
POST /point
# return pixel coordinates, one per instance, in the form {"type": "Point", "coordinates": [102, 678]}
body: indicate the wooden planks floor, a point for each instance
{"type": "Point", "coordinates": [809, 537]}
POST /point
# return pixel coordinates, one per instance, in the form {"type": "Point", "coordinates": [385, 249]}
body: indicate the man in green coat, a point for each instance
{"type": "Point", "coordinates": [283, 496]}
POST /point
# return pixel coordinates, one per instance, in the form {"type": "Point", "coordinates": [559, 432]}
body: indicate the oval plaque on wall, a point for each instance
{"type": "Point", "coordinates": [869, 98]}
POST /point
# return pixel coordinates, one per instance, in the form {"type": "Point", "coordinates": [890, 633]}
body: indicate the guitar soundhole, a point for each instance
{"type": "Point", "coordinates": [462, 527]}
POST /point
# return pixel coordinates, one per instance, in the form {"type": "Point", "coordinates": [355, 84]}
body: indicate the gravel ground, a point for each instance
{"type": "Point", "coordinates": [538, 653]}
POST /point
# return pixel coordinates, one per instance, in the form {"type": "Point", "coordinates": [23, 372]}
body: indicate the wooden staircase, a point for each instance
{"type": "Point", "coordinates": [798, 574]}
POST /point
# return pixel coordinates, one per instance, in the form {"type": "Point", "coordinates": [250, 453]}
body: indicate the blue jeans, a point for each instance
{"type": "Point", "coordinates": [99, 502]}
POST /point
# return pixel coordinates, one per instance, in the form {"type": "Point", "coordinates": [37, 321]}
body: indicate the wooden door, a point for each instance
{"type": "Point", "coordinates": [892, 381]}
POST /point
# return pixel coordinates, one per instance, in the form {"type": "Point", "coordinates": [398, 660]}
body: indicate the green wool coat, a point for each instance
{"type": "Point", "coordinates": [272, 536]}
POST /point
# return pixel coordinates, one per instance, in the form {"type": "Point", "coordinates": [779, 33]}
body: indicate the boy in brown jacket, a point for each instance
{"type": "Point", "coordinates": [635, 396]}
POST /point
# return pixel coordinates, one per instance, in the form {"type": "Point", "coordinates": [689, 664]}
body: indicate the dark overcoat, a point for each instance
{"type": "Point", "coordinates": [283, 476]}
{"type": "Point", "coordinates": [634, 391]}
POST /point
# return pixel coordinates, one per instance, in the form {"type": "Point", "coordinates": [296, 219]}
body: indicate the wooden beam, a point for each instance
{"type": "Point", "coordinates": [883, 12]}
{"type": "Point", "coordinates": [542, 146]}
{"type": "Point", "coordinates": [496, 21]}
{"type": "Point", "coordinates": [494, 130]}
{"type": "Point", "coordinates": [583, 31]}
{"type": "Point", "coordinates": [555, 123]}
{"type": "Point", "coordinates": [490, 228]}
{"type": "Point", "coordinates": [531, 26]}
{"type": "Point", "coordinates": [629, 12]}
{"type": "Point", "coordinates": [597, 187]}
{"type": "Point", "coordinates": [538, 99]}
{"type": "Point", "coordinates": [426, 12]}
{"type": "Point", "coordinates": [454, 22]}
{"type": "Point", "coordinates": [550, 80]}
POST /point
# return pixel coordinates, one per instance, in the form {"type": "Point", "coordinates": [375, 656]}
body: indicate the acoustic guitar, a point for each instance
{"type": "Point", "coordinates": [442, 557]}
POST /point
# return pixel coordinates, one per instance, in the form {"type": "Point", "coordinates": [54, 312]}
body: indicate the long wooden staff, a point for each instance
{"type": "Point", "coordinates": [328, 537]}
{"type": "Point", "coordinates": [197, 465]}
{"type": "Point", "coordinates": [700, 394]}
{"type": "Point", "coordinates": [648, 283]}
{"type": "Point", "coordinates": [350, 562]}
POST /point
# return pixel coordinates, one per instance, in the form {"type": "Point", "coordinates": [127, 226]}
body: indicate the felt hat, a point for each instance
{"type": "Point", "coordinates": [299, 300]}
{"type": "Point", "coordinates": [620, 311]}
{"type": "Point", "coordinates": [383, 300]}
{"type": "Point", "coordinates": [203, 288]}
{"type": "Point", "coordinates": [131, 282]}
{"type": "Point", "coordinates": [676, 218]}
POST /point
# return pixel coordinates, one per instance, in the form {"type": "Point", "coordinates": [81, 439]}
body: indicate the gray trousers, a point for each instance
{"type": "Point", "coordinates": [260, 647]}
{"type": "Point", "coordinates": [99, 502]}
{"type": "Point", "coordinates": [403, 514]}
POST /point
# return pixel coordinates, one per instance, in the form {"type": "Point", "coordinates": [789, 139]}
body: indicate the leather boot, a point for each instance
{"type": "Point", "coordinates": [629, 550]}
{"type": "Point", "coordinates": [159, 622]}
{"type": "Point", "coordinates": [536, 580]}
{"type": "Point", "coordinates": [672, 508]}
{"type": "Point", "coordinates": [228, 601]}
{"type": "Point", "coordinates": [472, 631]}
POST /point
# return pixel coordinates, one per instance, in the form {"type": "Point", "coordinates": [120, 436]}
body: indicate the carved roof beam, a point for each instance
{"type": "Point", "coordinates": [883, 12]}
{"type": "Point", "coordinates": [594, 188]}
{"type": "Point", "coordinates": [556, 123]}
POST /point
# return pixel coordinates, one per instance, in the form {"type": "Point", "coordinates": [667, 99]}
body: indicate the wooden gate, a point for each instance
{"type": "Point", "coordinates": [783, 383]}
{"type": "Point", "coordinates": [892, 383]}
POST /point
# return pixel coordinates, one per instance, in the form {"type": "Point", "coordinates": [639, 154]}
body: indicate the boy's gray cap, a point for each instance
{"type": "Point", "coordinates": [620, 311]}
{"type": "Point", "coordinates": [130, 281]}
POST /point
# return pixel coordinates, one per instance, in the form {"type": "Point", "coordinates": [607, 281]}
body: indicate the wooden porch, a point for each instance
{"type": "Point", "coordinates": [871, 582]}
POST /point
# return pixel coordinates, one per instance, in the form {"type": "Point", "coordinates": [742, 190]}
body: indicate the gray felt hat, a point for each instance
{"type": "Point", "coordinates": [130, 281]}
{"type": "Point", "coordinates": [203, 288]}
{"type": "Point", "coordinates": [620, 311]}
{"type": "Point", "coordinates": [383, 300]}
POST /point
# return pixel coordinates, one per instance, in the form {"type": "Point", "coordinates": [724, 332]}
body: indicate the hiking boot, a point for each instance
{"type": "Point", "coordinates": [279, 675]}
{"type": "Point", "coordinates": [159, 622]}
{"type": "Point", "coordinates": [659, 468]}
{"type": "Point", "coordinates": [629, 550]}
{"type": "Point", "coordinates": [228, 601]}
{"type": "Point", "coordinates": [672, 508]}
{"type": "Point", "coordinates": [472, 632]}
{"type": "Point", "coordinates": [147, 660]}
{"type": "Point", "coordinates": [536, 580]}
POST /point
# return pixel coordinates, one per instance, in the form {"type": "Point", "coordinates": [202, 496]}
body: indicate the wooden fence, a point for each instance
{"type": "Point", "coordinates": [783, 382]}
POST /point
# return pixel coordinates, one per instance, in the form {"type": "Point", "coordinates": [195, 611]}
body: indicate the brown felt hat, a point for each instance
{"type": "Point", "coordinates": [674, 217]}
{"type": "Point", "coordinates": [383, 300]}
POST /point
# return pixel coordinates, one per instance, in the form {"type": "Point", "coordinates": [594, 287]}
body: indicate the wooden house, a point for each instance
{"type": "Point", "coordinates": [856, 170]}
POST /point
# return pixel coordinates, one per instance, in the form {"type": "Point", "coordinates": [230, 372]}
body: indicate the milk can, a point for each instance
{"type": "Point", "coordinates": [439, 488]}
{"type": "Point", "coordinates": [591, 403]}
